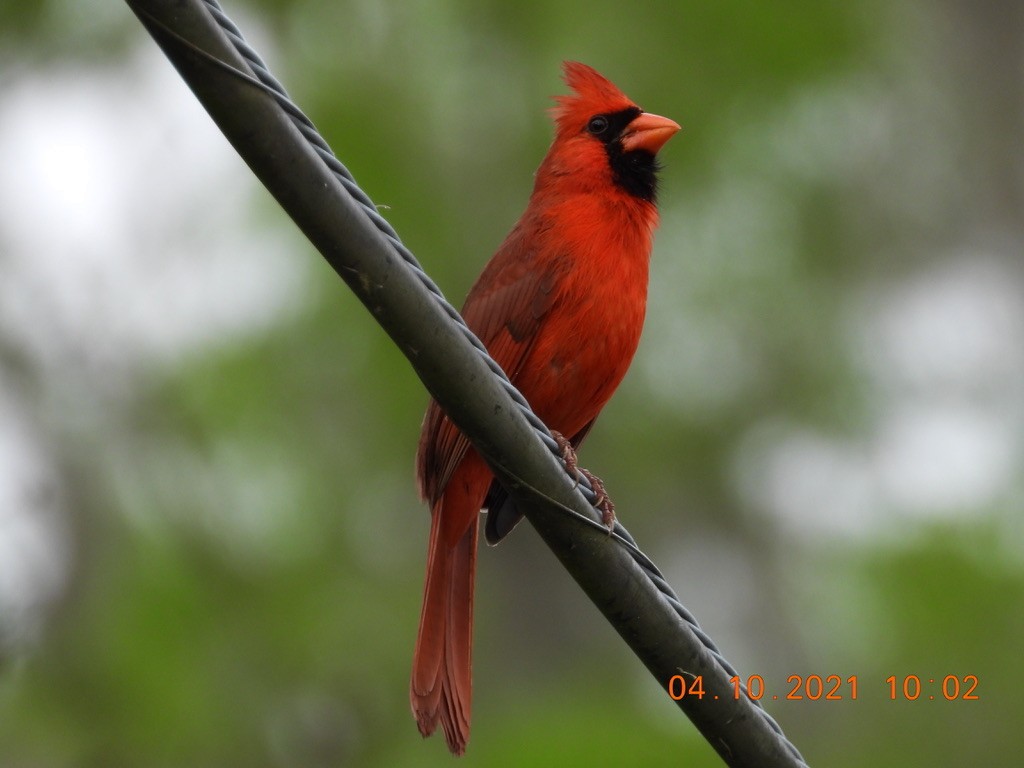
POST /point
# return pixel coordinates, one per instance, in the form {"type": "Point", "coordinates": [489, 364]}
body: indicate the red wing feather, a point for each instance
{"type": "Point", "coordinates": [506, 317]}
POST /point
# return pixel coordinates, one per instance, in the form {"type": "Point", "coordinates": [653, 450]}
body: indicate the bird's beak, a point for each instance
{"type": "Point", "coordinates": [648, 132]}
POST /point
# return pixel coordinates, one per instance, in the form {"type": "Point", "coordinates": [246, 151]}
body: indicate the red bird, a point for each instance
{"type": "Point", "coordinates": [560, 307]}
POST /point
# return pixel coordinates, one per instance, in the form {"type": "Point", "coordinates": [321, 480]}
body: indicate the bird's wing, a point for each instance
{"type": "Point", "coordinates": [505, 309]}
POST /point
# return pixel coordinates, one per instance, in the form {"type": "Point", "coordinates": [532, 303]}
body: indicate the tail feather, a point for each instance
{"type": "Point", "coordinates": [441, 685]}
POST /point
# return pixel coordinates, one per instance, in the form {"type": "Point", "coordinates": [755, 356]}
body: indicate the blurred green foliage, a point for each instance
{"type": "Point", "coordinates": [247, 547]}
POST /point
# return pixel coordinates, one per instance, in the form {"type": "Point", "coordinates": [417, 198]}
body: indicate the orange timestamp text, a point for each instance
{"type": "Point", "coordinates": [830, 688]}
{"type": "Point", "coordinates": [801, 687]}
{"type": "Point", "coordinates": [950, 687]}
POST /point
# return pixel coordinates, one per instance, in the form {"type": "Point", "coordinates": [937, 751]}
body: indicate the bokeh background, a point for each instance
{"type": "Point", "coordinates": [211, 550]}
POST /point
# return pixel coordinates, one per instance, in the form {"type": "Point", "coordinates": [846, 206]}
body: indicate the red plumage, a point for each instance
{"type": "Point", "coordinates": [560, 307]}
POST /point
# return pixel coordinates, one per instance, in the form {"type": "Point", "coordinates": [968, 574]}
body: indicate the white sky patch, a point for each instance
{"type": "Point", "coordinates": [817, 484]}
{"type": "Point", "coordinates": [943, 353]}
{"type": "Point", "coordinates": [127, 225]}
{"type": "Point", "coordinates": [956, 327]}
{"type": "Point", "coordinates": [946, 350]}
{"type": "Point", "coordinates": [943, 459]}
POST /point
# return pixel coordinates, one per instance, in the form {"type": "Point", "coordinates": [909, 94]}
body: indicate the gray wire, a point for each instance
{"type": "Point", "coordinates": [619, 533]}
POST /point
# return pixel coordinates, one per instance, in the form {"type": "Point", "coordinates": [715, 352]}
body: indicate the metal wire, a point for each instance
{"type": "Point", "coordinates": [269, 83]}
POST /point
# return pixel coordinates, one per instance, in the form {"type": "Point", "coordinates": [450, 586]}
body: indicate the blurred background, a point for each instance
{"type": "Point", "coordinates": [211, 550]}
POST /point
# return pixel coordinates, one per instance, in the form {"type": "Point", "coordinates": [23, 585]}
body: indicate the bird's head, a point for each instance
{"type": "Point", "coordinates": [601, 132]}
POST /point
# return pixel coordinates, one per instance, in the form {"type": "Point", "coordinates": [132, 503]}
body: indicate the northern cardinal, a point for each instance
{"type": "Point", "coordinates": [560, 307]}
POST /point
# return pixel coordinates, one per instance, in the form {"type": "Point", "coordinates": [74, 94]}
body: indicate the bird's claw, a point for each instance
{"type": "Point", "coordinates": [568, 457]}
{"type": "Point", "coordinates": [602, 500]}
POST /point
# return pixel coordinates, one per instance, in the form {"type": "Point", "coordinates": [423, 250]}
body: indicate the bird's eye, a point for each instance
{"type": "Point", "coordinates": [597, 125]}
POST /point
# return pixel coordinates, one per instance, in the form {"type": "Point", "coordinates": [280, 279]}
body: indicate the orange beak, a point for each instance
{"type": "Point", "coordinates": [648, 132]}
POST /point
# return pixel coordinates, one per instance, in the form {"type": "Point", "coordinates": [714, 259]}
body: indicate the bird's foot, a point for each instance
{"type": "Point", "coordinates": [602, 501]}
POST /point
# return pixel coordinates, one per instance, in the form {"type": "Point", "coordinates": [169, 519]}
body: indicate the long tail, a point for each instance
{"type": "Point", "coordinates": [441, 685]}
